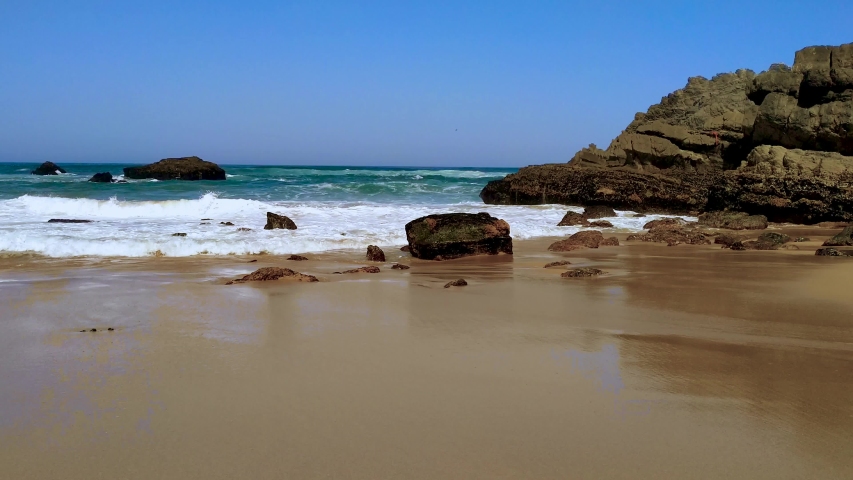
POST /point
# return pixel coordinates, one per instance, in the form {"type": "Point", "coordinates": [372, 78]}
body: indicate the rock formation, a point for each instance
{"type": "Point", "coordinates": [456, 283]}
{"type": "Point", "coordinates": [370, 269]}
{"type": "Point", "coordinates": [452, 235]}
{"type": "Point", "coordinates": [275, 221]}
{"type": "Point", "coordinates": [581, 272]}
{"type": "Point", "coordinates": [48, 168]}
{"type": "Point", "coordinates": [183, 168]}
{"type": "Point", "coordinates": [778, 144]}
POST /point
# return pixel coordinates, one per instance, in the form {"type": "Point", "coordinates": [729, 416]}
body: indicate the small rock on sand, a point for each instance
{"type": "Point", "coordinates": [456, 283]}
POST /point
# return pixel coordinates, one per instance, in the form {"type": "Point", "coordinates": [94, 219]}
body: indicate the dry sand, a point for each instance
{"type": "Point", "coordinates": [683, 362]}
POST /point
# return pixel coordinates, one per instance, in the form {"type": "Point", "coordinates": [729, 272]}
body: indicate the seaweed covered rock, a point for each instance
{"type": "Point", "coordinates": [183, 168]}
{"type": "Point", "coordinates": [276, 221]}
{"type": "Point", "coordinates": [453, 235]}
{"type": "Point", "coordinates": [48, 168]}
{"type": "Point", "coordinates": [733, 220]}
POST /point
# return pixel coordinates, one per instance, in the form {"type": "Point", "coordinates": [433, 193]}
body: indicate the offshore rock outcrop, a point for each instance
{"type": "Point", "coordinates": [778, 144]}
{"type": "Point", "coordinates": [183, 168]}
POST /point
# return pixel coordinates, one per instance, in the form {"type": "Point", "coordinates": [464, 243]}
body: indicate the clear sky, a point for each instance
{"type": "Point", "coordinates": [476, 83]}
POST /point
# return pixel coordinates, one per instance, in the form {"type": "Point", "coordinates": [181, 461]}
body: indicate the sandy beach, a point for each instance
{"type": "Point", "coordinates": [682, 362]}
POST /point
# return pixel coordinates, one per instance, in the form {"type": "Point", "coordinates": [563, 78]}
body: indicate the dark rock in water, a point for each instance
{"type": "Point", "coordinates": [244, 229]}
{"type": "Point", "coordinates": [375, 254]}
{"type": "Point", "coordinates": [843, 238]}
{"type": "Point", "coordinates": [252, 261]}
{"type": "Point", "coordinates": [456, 283]}
{"type": "Point", "coordinates": [601, 224]}
{"type": "Point", "coordinates": [598, 211]}
{"type": "Point", "coordinates": [183, 168]}
{"type": "Point", "coordinates": [206, 219]}
{"type": "Point", "coordinates": [110, 329]}
{"type": "Point", "coordinates": [180, 234]}
{"type": "Point", "coordinates": [802, 239]}
{"type": "Point", "coordinates": [584, 239]}
{"type": "Point", "coordinates": [400, 266]}
{"type": "Point", "coordinates": [639, 215]}
{"type": "Point", "coordinates": [774, 238]}
{"type": "Point", "coordinates": [103, 177]}
{"type": "Point", "coordinates": [48, 168]}
{"type": "Point", "coordinates": [581, 272]}
{"type": "Point", "coordinates": [557, 264]}
{"type": "Point", "coordinates": [733, 220]}
{"type": "Point", "coordinates": [297, 258]}
{"type": "Point", "coordinates": [405, 248]}
{"type": "Point", "coordinates": [777, 144]}
{"type": "Point", "coordinates": [370, 269]}
{"type": "Point", "coordinates": [226, 224]}
{"type": "Point", "coordinates": [68, 220]}
{"type": "Point", "coordinates": [275, 221]}
{"type": "Point", "coordinates": [452, 235]}
{"type": "Point", "coordinates": [832, 252]}
{"type": "Point", "coordinates": [571, 219]}
{"type": "Point", "coordinates": [275, 273]}
{"type": "Point", "coordinates": [204, 223]}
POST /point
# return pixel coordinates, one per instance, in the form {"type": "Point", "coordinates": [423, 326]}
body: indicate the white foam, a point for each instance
{"type": "Point", "coordinates": [126, 228]}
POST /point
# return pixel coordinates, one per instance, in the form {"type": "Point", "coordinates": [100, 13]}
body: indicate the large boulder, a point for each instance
{"type": "Point", "coordinates": [183, 168]}
{"type": "Point", "coordinates": [48, 168]}
{"type": "Point", "coordinates": [842, 239]}
{"type": "Point", "coordinates": [778, 144]}
{"type": "Point", "coordinates": [276, 221]}
{"type": "Point", "coordinates": [733, 220]}
{"type": "Point", "coordinates": [452, 235]}
{"type": "Point", "coordinates": [582, 239]}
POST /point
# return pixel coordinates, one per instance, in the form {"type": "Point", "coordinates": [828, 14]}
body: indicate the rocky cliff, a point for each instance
{"type": "Point", "coordinates": [779, 143]}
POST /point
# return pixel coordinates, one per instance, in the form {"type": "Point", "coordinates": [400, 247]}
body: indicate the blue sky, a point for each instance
{"type": "Point", "coordinates": [477, 83]}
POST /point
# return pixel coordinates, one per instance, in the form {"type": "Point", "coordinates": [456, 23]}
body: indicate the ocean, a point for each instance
{"type": "Point", "coordinates": [335, 208]}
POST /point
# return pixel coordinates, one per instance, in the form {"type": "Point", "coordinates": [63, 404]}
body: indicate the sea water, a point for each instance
{"type": "Point", "coordinates": [333, 207]}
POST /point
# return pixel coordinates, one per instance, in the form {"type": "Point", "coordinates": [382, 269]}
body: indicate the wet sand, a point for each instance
{"type": "Point", "coordinates": [682, 362]}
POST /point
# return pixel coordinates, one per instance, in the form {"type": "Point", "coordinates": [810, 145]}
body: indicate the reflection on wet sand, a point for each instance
{"type": "Point", "coordinates": [650, 372]}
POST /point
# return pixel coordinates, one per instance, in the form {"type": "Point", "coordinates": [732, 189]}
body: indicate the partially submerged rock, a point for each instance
{"type": "Point", "coordinates": [68, 220]}
{"type": "Point", "coordinates": [765, 241]}
{"type": "Point", "coordinates": [103, 177]}
{"type": "Point", "coordinates": [375, 254]}
{"type": "Point", "coordinates": [48, 168]}
{"type": "Point", "coordinates": [405, 248]}
{"type": "Point", "coordinates": [227, 224]}
{"type": "Point", "coordinates": [598, 211]}
{"type": "Point", "coordinates": [276, 221]}
{"type": "Point", "coordinates": [671, 223]}
{"type": "Point", "coordinates": [728, 239]}
{"type": "Point", "coordinates": [581, 272]}
{"type": "Point", "coordinates": [672, 233]}
{"type": "Point", "coordinates": [557, 264]}
{"type": "Point", "coordinates": [601, 224]}
{"type": "Point", "coordinates": [609, 242]}
{"type": "Point", "coordinates": [571, 219]}
{"type": "Point", "coordinates": [179, 234]}
{"type": "Point", "coordinates": [297, 258]}
{"type": "Point", "coordinates": [456, 283]}
{"type": "Point", "coordinates": [183, 168]}
{"type": "Point", "coordinates": [400, 266]}
{"type": "Point", "coordinates": [843, 238]}
{"type": "Point", "coordinates": [453, 235]}
{"type": "Point", "coordinates": [370, 269]}
{"type": "Point", "coordinates": [274, 273]}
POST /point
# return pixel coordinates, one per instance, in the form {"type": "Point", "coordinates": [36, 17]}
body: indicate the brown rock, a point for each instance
{"type": "Point", "coordinates": [405, 248]}
{"type": "Point", "coordinates": [609, 242]}
{"type": "Point", "coordinates": [558, 264]}
{"type": "Point", "coordinates": [375, 254]}
{"type": "Point", "coordinates": [583, 239]}
{"type": "Point", "coordinates": [844, 238]}
{"type": "Point", "coordinates": [456, 235]}
{"type": "Point", "coordinates": [297, 258]}
{"type": "Point", "coordinates": [728, 239]}
{"type": "Point", "coordinates": [400, 266]}
{"type": "Point", "coordinates": [598, 211]}
{"type": "Point", "coordinates": [456, 283]}
{"type": "Point", "coordinates": [275, 273]}
{"type": "Point", "coordinates": [226, 224]}
{"type": "Point", "coordinates": [275, 221]}
{"type": "Point", "coordinates": [733, 220]}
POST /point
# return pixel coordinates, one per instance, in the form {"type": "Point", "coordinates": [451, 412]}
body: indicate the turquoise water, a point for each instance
{"type": "Point", "coordinates": [263, 183]}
